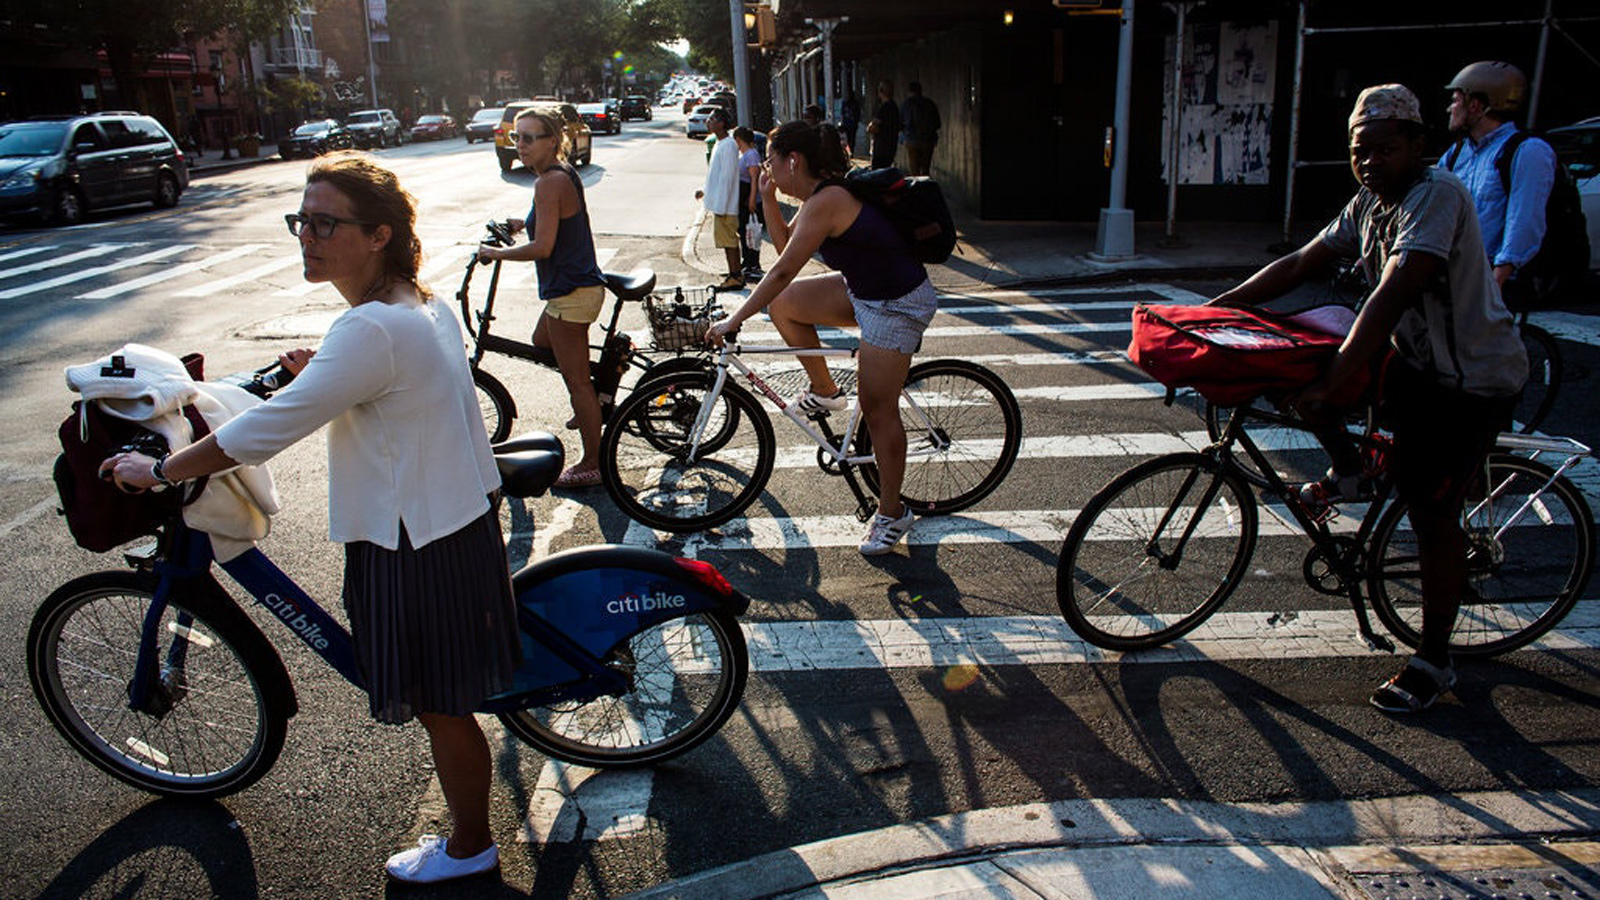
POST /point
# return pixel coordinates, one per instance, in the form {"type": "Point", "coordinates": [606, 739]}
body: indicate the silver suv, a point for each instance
{"type": "Point", "coordinates": [55, 169]}
{"type": "Point", "coordinates": [375, 128]}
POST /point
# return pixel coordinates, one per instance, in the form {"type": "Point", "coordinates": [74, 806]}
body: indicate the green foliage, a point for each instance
{"type": "Point", "coordinates": [704, 24]}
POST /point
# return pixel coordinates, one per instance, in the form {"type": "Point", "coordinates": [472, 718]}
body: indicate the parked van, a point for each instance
{"type": "Point", "coordinates": [55, 169]}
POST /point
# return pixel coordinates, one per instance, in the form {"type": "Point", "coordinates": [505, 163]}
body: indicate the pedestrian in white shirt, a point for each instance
{"type": "Point", "coordinates": [721, 198]}
{"type": "Point", "coordinates": [426, 586]}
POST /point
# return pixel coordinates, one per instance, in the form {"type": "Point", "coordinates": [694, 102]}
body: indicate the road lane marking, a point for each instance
{"type": "Point", "coordinates": [84, 274]}
{"type": "Point", "coordinates": [27, 251]}
{"type": "Point", "coordinates": [575, 803]}
{"type": "Point", "coordinates": [255, 274]}
{"type": "Point", "coordinates": [92, 252]}
{"type": "Point", "coordinates": [174, 272]}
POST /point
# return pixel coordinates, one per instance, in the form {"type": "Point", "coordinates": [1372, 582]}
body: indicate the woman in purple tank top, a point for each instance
{"type": "Point", "coordinates": [878, 285]}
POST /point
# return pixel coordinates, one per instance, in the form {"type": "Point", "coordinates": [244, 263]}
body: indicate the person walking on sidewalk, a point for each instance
{"type": "Point", "coordinates": [749, 205]}
{"type": "Point", "coordinates": [1459, 363]}
{"type": "Point", "coordinates": [877, 284]}
{"type": "Point", "coordinates": [884, 127]}
{"type": "Point", "coordinates": [561, 247]}
{"type": "Point", "coordinates": [426, 587]}
{"type": "Point", "coordinates": [720, 195]}
{"type": "Point", "coordinates": [920, 129]}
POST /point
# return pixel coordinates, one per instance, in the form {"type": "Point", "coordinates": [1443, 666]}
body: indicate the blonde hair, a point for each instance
{"type": "Point", "coordinates": [553, 123]}
{"type": "Point", "coordinates": [376, 197]}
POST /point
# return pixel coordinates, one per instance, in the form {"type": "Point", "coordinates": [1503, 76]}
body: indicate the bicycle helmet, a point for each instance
{"type": "Point", "coordinates": [1500, 85]}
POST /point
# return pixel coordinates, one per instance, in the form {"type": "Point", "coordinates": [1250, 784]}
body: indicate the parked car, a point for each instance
{"type": "Point", "coordinates": [56, 169]}
{"type": "Point", "coordinates": [599, 117]}
{"type": "Point", "coordinates": [696, 125]}
{"type": "Point", "coordinates": [375, 128]}
{"type": "Point", "coordinates": [580, 141]}
{"type": "Point", "coordinates": [481, 126]}
{"type": "Point", "coordinates": [433, 128]}
{"type": "Point", "coordinates": [1578, 147]}
{"type": "Point", "coordinates": [690, 101]}
{"type": "Point", "coordinates": [315, 139]}
{"type": "Point", "coordinates": [636, 108]}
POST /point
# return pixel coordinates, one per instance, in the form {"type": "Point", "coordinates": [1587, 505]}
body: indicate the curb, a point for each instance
{"type": "Point", "coordinates": [1331, 830]}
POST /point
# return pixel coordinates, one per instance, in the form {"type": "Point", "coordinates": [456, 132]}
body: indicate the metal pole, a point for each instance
{"type": "Point", "coordinates": [1538, 65]}
{"type": "Point", "coordinates": [741, 63]}
{"type": "Point", "coordinates": [1115, 238]}
{"type": "Point", "coordinates": [1175, 126]}
{"type": "Point", "coordinates": [1294, 119]}
{"type": "Point", "coordinates": [826, 26]}
{"type": "Point", "coordinates": [372, 62]}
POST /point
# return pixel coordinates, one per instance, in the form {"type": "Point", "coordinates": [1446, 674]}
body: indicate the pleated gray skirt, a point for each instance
{"type": "Point", "coordinates": [435, 628]}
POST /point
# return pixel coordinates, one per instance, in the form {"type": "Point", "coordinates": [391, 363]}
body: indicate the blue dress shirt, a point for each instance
{"type": "Point", "coordinates": [1513, 227]}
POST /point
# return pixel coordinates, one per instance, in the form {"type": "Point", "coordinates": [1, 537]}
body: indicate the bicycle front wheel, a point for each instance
{"type": "Point", "coordinates": [207, 729]}
{"type": "Point", "coordinates": [496, 405]}
{"type": "Point", "coordinates": [686, 677]}
{"type": "Point", "coordinates": [1155, 552]}
{"type": "Point", "coordinates": [645, 459]}
{"type": "Point", "coordinates": [963, 432]}
{"type": "Point", "coordinates": [1530, 550]}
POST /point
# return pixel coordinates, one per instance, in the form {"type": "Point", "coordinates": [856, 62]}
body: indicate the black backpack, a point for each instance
{"type": "Point", "coordinates": [915, 206]}
{"type": "Point", "coordinates": [1563, 258]}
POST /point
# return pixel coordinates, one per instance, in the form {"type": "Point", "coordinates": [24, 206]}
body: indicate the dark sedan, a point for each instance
{"type": "Point", "coordinates": [315, 139]}
{"type": "Point", "coordinates": [635, 108]}
{"type": "Point", "coordinates": [600, 117]}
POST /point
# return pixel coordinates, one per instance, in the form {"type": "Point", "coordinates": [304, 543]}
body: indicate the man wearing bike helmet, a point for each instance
{"type": "Point", "coordinates": [1458, 362]}
{"type": "Point", "coordinates": [1485, 100]}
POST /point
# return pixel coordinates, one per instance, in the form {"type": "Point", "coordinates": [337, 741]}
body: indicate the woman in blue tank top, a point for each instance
{"type": "Point", "coordinates": [570, 283]}
{"type": "Point", "coordinates": [878, 285]}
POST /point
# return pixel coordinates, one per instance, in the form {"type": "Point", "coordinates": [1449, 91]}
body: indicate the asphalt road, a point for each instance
{"type": "Point", "coordinates": [934, 680]}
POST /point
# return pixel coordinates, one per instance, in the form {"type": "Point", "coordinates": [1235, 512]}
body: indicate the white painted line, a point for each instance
{"type": "Point", "coordinates": [91, 253]}
{"type": "Point", "coordinates": [27, 251]}
{"type": "Point", "coordinates": [301, 290]}
{"type": "Point", "coordinates": [968, 645]}
{"type": "Point", "coordinates": [574, 803]}
{"type": "Point", "coordinates": [84, 274]}
{"type": "Point", "coordinates": [1166, 292]}
{"type": "Point", "coordinates": [1569, 326]}
{"type": "Point", "coordinates": [261, 271]}
{"type": "Point", "coordinates": [169, 274]}
{"type": "Point", "coordinates": [28, 515]}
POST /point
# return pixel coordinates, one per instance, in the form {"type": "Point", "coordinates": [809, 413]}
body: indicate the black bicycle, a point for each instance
{"type": "Point", "coordinates": [678, 323]}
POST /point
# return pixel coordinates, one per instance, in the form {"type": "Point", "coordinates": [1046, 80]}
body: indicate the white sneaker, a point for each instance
{"type": "Point", "coordinates": [884, 533]}
{"type": "Point", "coordinates": [810, 403]}
{"type": "Point", "coordinates": [428, 862]}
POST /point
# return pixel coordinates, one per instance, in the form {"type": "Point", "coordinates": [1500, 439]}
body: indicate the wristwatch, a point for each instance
{"type": "Point", "coordinates": [161, 476]}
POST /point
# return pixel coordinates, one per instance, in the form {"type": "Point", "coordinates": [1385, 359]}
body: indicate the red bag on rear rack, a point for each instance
{"type": "Point", "coordinates": [1230, 356]}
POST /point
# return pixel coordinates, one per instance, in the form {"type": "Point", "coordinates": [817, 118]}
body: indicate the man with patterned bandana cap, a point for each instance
{"type": "Point", "coordinates": [1458, 361]}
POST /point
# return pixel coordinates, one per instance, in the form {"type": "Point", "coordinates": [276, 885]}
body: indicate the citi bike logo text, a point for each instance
{"type": "Point", "coordinates": [291, 615]}
{"type": "Point", "coordinates": [646, 603]}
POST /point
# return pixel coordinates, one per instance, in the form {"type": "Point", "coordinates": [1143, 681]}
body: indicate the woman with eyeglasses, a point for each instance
{"type": "Point", "coordinates": [426, 586]}
{"type": "Point", "coordinates": [570, 283]}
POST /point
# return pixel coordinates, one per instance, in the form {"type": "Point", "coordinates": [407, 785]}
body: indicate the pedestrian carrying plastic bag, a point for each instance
{"type": "Point", "coordinates": [1230, 356]}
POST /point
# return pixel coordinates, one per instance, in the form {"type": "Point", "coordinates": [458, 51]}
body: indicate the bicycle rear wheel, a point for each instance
{"type": "Point", "coordinates": [206, 731]}
{"type": "Point", "coordinates": [686, 677]}
{"type": "Point", "coordinates": [963, 432]}
{"type": "Point", "coordinates": [495, 402]}
{"type": "Point", "coordinates": [1529, 556]}
{"type": "Point", "coordinates": [1544, 378]}
{"type": "Point", "coordinates": [644, 454]}
{"type": "Point", "coordinates": [1155, 552]}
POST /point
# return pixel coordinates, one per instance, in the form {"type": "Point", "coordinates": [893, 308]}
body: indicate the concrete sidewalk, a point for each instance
{"type": "Point", "coordinates": [1501, 844]}
{"type": "Point", "coordinates": [210, 161]}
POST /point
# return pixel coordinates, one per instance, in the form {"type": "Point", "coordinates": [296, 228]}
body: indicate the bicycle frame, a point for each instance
{"type": "Point", "coordinates": [565, 641]}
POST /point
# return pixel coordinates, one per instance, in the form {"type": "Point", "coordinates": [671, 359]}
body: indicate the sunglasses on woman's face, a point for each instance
{"type": "Point", "coordinates": [321, 225]}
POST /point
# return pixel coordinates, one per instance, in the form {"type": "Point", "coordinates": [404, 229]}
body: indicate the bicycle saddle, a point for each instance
{"type": "Point", "coordinates": [632, 286]}
{"type": "Point", "coordinates": [529, 464]}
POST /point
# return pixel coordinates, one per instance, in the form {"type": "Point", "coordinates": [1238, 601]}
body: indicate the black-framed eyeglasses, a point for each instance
{"type": "Point", "coordinates": [322, 225]}
{"type": "Point", "coordinates": [525, 138]}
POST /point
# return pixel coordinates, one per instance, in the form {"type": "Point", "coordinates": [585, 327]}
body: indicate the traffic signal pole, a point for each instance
{"type": "Point", "coordinates": [741, 63]}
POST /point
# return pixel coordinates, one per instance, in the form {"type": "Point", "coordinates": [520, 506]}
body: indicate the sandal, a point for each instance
{"type": "Point", "coordinates": [1415, 689]}
{"type": "Point", "coordinates": [578, 478]}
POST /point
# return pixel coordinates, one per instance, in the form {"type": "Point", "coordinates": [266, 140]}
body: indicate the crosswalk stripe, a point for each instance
{"type": "Point", "coordinates": [96, 271]}
{"type": "Point", "coordinates": [26, 251]}
{"type": "Point", "coordinates": [169, 274]}
{"type": "Point", "coordinates": [259, 272]}
{"type": "Point", "coordinates": [972, 644]}
{"type": "Point", "coordinates": [91, 253]}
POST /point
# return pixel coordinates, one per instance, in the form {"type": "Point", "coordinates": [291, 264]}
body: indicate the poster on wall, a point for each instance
{"type": "Point", "coordinates": [378, 20]}
{"type": "Point", "coordinates": [1226, 90]}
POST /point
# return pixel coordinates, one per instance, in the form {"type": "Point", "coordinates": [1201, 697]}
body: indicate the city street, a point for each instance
{"type": "Point", "coordinates": [938, 679]}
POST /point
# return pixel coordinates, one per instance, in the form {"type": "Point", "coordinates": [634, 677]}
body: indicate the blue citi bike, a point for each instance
{"type": "Point", "coordinates": [156, 675]}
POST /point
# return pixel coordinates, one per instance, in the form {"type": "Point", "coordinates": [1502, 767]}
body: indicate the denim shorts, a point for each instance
{"type": "Point", "coordinates": [897, 324]}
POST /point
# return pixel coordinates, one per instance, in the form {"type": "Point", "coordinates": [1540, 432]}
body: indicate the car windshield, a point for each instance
{"type": "Point", "coordinates": [592, 108]}
{"type": "Point", "coordinates": [487, 115]}
{"type": "Point", "coordinates": [31, 138]}
{"type": "Point", "coordinates": [359, 118]}
{"type": "Point", "coordinates": [312, 128]}
{"type": "Point", "coordinates": [430, 120]}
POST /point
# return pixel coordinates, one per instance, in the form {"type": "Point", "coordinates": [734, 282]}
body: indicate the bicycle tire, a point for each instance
{"type": "Point", "coordinates": [220, 734]}
{"type": "Point", "coordinates": [1295, 454]}
{"type": "Point", "coordinates": [1111, 587]}
{"type": "Point", "coordinates": [1521, 582]}
{"type": "Point", "coordinates": [688, 675]}
{"type": "Point", "coordinates": [666, 370]}
{"type": "Point", "coordinates": [496, 405]}
{"type": "Point", "coordinates": [975, 419]}
{"type": "Point", "coordinates": [642, 455]}
{"type": "Point", "coordinates": [1544, 378]}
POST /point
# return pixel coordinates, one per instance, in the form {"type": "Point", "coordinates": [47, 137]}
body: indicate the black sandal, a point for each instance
{"type": "Point", "coordinates": [1415, 689]}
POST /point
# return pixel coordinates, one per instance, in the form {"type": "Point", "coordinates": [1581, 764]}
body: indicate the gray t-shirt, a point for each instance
{"type": "Point", "coordinates": [1461, 334]}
